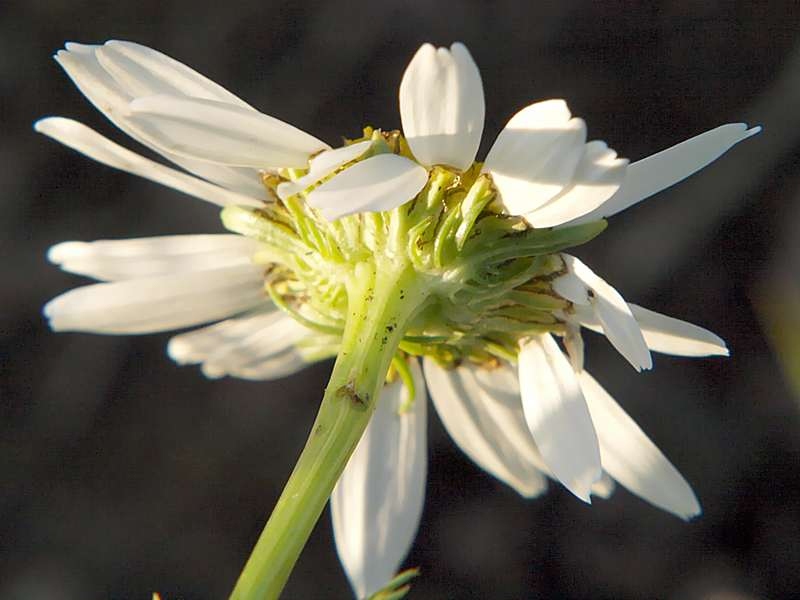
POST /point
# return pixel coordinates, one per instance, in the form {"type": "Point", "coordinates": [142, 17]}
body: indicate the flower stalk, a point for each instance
{"type": "Point", "coordinates": [382, 300]}
{"type": "Point", "coordinates": [443, 276]}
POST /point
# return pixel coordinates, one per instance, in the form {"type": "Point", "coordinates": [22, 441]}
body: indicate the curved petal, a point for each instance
{"type": "Point", "coordinates": [535, 156]}
{"type": "Point", "coordinates": [665, 334]}
{"type": "Point", "coordinates": [256, 345]}
{"type": "Point", "coordinates": [673, 336]}
{"type": "Point", "coordinates": [221, 133]}
{"type": "Point", "coordinates": [442, 106]}
{"type": "Point", "coordinates": [482, 411]}
{"type": "Point", "coordinates": [377, 184]}
{"type": "Point", "coordinates": [158, 303]}
{"type": "Point", "coordinates": [109, 97]}
{"type": "Point", "coordinates": [666, 168]}
{"type": "Point", "coordinates": [619, 325]}
{"type": "Point", "coordinates": [557, 416]}
{"type": "Point", "coordinates": [321, 166]}
{"type": "Point", "coordinates": [87, 141]}
{"type": "Point", "coordinates": [597, 177]}
{"type": "Point", "coordinates": [196, 346]}
{"type": "Point", "coordinates": [632, 459]}
{"type": "Point", "coordinates": [113, 260]}
{"type": "Point", "coordinates": [81, 65]}
{"type": "Point", "coordinates": [142, 71]}
{"type": "Point", "coordinates": [377, 503]}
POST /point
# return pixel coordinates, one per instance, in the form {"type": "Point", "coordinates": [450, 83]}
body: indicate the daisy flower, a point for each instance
{"type": "Point", "coordinates": [424, 272]}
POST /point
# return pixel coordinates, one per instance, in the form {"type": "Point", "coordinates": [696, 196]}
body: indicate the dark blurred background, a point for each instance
{"type": "Point", "coordinates": [123, 473]}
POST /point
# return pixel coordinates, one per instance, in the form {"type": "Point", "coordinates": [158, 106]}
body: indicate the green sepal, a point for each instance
{"type": "Point", "coordinates": [535, 242]}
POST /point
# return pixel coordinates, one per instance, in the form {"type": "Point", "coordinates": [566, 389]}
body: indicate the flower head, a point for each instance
{"type": "Point", "coordinates": [445, 259]}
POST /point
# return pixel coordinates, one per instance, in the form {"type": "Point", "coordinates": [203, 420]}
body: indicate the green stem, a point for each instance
{"type": "Point", "coordinates": [382, 301]}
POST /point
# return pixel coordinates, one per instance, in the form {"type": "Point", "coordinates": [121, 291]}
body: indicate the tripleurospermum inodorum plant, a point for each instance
{"type": "Point", "coordinates": [395, 249]}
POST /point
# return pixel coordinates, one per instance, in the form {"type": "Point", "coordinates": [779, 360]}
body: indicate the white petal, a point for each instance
{"type": "Point", "coordinates": [257, 345]}
{"type": "Point", "coordinates": [377, 503]}
{"type": "Point", "coordinates": [535, 156]}
{"type": "Point", "coordinates": [673, 336]}
{"type": "Point", "coordinates": [621, 328]}
{"type": "Point", "coordinates": [112, 260]}
{"type": "Point", "coordinates": [222, 133]}
{"type": "Point", "coordinates": [666, 334]}
{"type": "Point", "coordinates": [196, 346]}
{"type": "Point", "coordinates": [266, 353]}
{"type": "Point", "coordinates": [482, 411]}
{"type": "Point", "coordinates": [666, 168]}
{"type": "Point", "coordinates": [157, 303]}
{"type": "Point", "coordinates": [323, 165]}
{"type": "Point", "coordinates": [442, 106]}
{"type": "Point", "coordinates": [619, 325]}
{"type": "Point", "coordinates": [597, 178]}
{"type": "Point", "coordinates": [557, 416]}
{"type": "Point", "coordinates": [377, 184]}
{"type": "Point", "coordinates": [265, 369]}
{"type": "Point", "coordinates": [328, 161]}
{"type": "Point", "coordinates": [87, 141]}
{"type": "Point", "coordinates": [142, 71]}
{"type": "Point", "coordinates": [632, 459]}
{"type": "Point", "coordinates": [81, 64]}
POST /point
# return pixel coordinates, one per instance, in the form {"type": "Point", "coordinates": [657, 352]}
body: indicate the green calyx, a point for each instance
{"type": "Point", "coordinates": [487, 275]}
{"type": "Point", "coordinates": [445, 275]}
